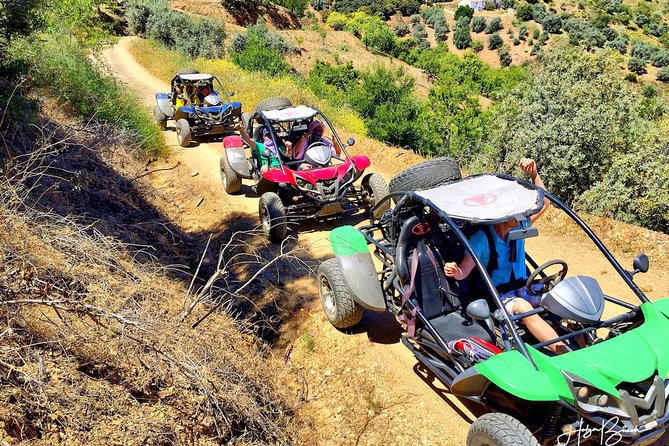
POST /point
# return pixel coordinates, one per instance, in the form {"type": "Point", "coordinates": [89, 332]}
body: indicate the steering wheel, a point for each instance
{"type": "Point", "coordinates": [548, 282]}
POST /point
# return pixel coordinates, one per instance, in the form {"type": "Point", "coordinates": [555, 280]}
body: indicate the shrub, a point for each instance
{"type": "Point", "coordinates": [320, 5]}
{"type": "Point", "coordinates": [195, 37]}
{"type": "Point", "coordinates": [415, 18]}
{"type": "Point", "coordinates": [504, 56]}
{"type": "Point", "coordinates": [643, 50]}
{"type": "Point", "coordinates": [637, 65]}
{"type": "Point", "coordinates": [433, 15]}
{"type": "Point", "coordinates": [462, 38]}
{"type": "Point", "coordinates": [441, 32]}
{"type": "Point", "coordinates": [400, 29]}
{"type": "Point", "coordinates": [489, 7]}
{"type": "Point", "coordinates": [477, 46]}
{"type": "Point", "coordinates": [662, 74]}
{"type": "Point", "coordinates": [619, 45]}
{"type": "Point", "coordinates": [516, 41]}
{"type": "Point", "coordinates": [419, 31]}
{"type": "Point", "coordinates": [478, 24]}
{"type": "Point", "coordinates": [336, 21]}
{"type": "Point", "coordinates": [552, 23]}
{"type": "Point", "coordinates": [462, 22]}
{"type": "Point", "coordinates": [258, 49]}
{"type": "Point", "coordinates": [660, 58]}
{"type": "Point", "coordinates": [463, 11]}
{"type": "Point", "coordinates": [494, 42]}
{"type": "Point", "coordinates": [524, 12]}
{"type": "Point", "coordinates": [522, 32]}
{"type": "Point", "coordinates": [507, 4]}
{"type": "Point", "coordinates": [494, 25]}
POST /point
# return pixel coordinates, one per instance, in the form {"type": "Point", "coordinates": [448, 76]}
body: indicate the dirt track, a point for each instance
{"type": "Point", "coordinates": [405, 409]}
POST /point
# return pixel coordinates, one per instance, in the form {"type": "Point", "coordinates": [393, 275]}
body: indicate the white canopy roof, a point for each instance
{"type": "Point", "coordinates": [291, 113]}
{"type": "Point", "coordinates": [196, 77]}
{"type": "Point", "coordinates": [484, 199]}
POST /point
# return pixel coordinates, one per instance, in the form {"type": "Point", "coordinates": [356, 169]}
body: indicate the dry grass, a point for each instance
{"type": "Point", "coordinates": [92, 350]}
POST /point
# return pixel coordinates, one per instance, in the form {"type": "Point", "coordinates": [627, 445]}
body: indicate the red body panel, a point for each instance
{"type": "Point", "coordinates": [361, 162]}
{"type": "Point", "coordinates": [232, 141]}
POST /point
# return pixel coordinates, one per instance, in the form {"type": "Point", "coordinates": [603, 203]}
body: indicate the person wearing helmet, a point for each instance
{"type": "Point", "coordinates": [314, 135]}
{"type": "Point", "coordinates": [203, 90]}
{"type": "Point", "coordinates": [266, 152]}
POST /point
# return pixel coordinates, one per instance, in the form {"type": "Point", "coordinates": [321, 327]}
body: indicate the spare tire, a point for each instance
{"type": "Point", "coordinates": [426, 174]}
{"type": "Point", "coordinates": [273, 104]}
{"type": "Point", "coordinates": [187, 71]}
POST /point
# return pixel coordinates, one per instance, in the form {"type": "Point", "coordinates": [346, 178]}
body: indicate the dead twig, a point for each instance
{"type": "Point", "coordinates": [155, 170]}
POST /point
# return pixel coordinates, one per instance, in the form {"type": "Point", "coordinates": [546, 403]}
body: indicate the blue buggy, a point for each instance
{"type": "Point", "coordinates": [199, 105]}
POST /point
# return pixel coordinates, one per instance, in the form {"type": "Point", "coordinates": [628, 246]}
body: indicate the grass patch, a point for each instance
{"type": "Point", "coordinates": [249, 87]}
{"type": "Point", "coordinates": [76, 80]}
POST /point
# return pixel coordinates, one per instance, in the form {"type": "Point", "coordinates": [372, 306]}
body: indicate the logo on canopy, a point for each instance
{"type": "Point", "coordinates": [479, 200]}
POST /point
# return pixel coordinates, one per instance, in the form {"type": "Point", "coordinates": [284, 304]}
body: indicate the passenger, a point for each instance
{"type": "Point", "coordinates": [203, 91]}
{"type": "Point", "coordinates": [266, 162]}
{"type": "Point", "coordinates": [511, 269]}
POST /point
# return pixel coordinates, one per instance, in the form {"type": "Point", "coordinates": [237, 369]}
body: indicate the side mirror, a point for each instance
{"type": "Point", "coordinates": [640, 264]}
{"type": "Point", "coordinates": [350, 141]}
{"type": "Point", "coordinates": [232, 93]}
{"type": "Point", "coordinates": [266, 153]}
{"type": "Point", "coordinates": [478, 310]}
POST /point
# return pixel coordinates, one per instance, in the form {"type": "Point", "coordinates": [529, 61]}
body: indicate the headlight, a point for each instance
{"type": "Point", "coordinates": [304, 184]}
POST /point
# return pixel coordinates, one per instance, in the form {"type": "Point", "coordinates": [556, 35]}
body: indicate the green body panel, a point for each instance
{"type": "Point", "coordinates": [630, 357]}
{"type": "Point", "coordinates": [347, 240]}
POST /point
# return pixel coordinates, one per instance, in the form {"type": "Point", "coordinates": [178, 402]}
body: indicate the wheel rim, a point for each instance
{"type": "Point", "coordinates": [368, 197]}
{"type": "Point", "coordinates": [225, 179]}
{"type": "Point", "coordinates": [327, 296]}
{"type": "Point", "coordinates": [178, 134]}
{"type": "Point", "coordinates": [264, 218]}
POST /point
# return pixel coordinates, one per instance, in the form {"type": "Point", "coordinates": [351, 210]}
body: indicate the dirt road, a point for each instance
{"type": "Point", "coordinates": [361, 387]}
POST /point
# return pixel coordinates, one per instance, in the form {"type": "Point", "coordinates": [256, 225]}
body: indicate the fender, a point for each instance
{"type": "Point", "coordinates": [361, 162]}
{"type": "Point", "coordinates": [357, 267]}
{"type": "Point", "coordinates": [164, 104]}
{"type": "Point", "coordinates": [265, 185]}
{"type": "Point", "coordinates": [234, 151]}
{"type": "Point", "coordinates": [279, 176]}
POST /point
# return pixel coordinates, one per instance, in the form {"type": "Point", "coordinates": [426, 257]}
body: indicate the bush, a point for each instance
{"type": "Point", "coordinates": [643, 50]}
{"type": "Point", "coordinates": [336, 21]}
{"type": "Point", "coordinates": [463, 11]}
{"type": "Point", "coordinates": [195, 37]}
{"type": "Point", "coordinates": [552, 23]}
{"type": "Point", "coordinates": [619, 45]}
{"type": "Point", "coordinates": [433, 15]}
{"type": "Point", "coordinates": [477, 46]}
{"type": "Point", "coordinates": [662, 74]}
{"type": "Point", "coordinates": [462, 38]}
{"type": "Point", "coordinates": [494, 42]}
{"type": "Point", "coordinates": [524, 12]}
{"type": "Point", "coordinates": [441, 32]}
{"type": "Point", "coordinates": [516, 41]}
{"type": "Point", "coordinates": [507, 4]}
{"type": "Point", "coordinates": [583, 33]}
{"type": "Point", "coordinates": [320, 5]}
{"type": "Point", "coordinates": [637, 65]}
{"type": "Point", "coordinates": [522, 32]}
{"type": "Point", "coordinates": [70, 73]}
{"type": "Point", "coordinates": [504, 56]}
{"type": "Point", "coordinates": [258, 49]}
{"type": "Point", "coordinates": [462, 22]}
{"type": "Point", "coordinates": [478, 24]}
{"type": "Point", "coordinates": [400, 29]}
{"type": "Point", "coordinates": [660, 58]}
{"type": "Point", "coordinates": [419, 31]}
{"type": "Point", "coordinates": [494, 25]}
{"type": "Point", "coordinates": [415, 18]}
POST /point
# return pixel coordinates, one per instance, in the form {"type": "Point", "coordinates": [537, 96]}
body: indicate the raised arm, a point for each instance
{"type": "Point", "coordinates": [245, 136]}
{"type": "Point", "coordinates": [529, 166]}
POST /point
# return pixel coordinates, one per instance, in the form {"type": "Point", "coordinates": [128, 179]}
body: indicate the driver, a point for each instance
{"type": "Point", "coordinates": [510, 274]}
{"type": "Point", "coordinates": [314, 135]}
{"type": "Point", "coordinates": [203, 91]}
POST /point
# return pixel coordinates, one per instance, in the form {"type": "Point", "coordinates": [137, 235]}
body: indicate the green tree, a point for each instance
{"type": "Point", "coordinates": [662, 74]}
{"type": "Point", "coordinates": [463, 11]}
{"type": "Point", "coordinates": [573, 115]}
{"type": "Point", "coordinates": [494, 25]}
{"type": "Point", "coordinates": [19, 17]}
{"type": "Point", "coordinates": [494, 41]}
{"type": "Point", "coordinates": [524, 12]}
{"type": "Point", "coordinates": [504, 55]}
{"type": "Point", "coordinates": [478, 24]}
{"type": "Point", "coordinates": [462, 38]}
{"type": "Point", "coordinates": [636, 65]}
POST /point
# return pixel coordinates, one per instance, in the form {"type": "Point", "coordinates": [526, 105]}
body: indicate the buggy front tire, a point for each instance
{"type": "Point", "coordinates": [425, 175]}
{"type": "Point", "coordinates": [336, 299]}
{"type": "Point", "coordinates": [232, 183]}
{"type": "Point", "coordinates": [499, 429]}
{"type": "Point", "coordinates": [376, 188]}
{"type": "Point", "coordinates": [161, 118]}
{"type": "Point", "coordinates": [273, 217]}
{"type": "Point", "coordinates": [183, 133]}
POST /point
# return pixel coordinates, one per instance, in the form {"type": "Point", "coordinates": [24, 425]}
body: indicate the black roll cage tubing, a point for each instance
{"type": "Point", "coordinates": [319, 113]}
{"type": "Point", "coordinates": [412, 197]}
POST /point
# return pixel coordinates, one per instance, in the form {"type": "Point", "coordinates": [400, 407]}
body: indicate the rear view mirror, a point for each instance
{"type": "Point", "coordinates": [517, 234]}
{"type": "Point", "coordinates": [350, 141]}
{"type": "Point", "coordinates": [640, 264]}
{"type": "Point", "coordinates": [232, 93]}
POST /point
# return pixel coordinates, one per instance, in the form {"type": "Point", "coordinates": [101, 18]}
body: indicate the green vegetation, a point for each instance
{"type": "Point", "coordinates": [202, 37]}
{"type": "Point", "coordinates": [258, 49]}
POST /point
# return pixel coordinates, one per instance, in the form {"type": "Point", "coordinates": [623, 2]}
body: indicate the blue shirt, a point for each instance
{"type": "Point", "coordinates": [502, 274]}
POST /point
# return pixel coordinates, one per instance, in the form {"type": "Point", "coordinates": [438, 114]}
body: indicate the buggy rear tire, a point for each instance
{"type": "Point", "coordinates": [188, 71]}
{"type": "Point", "coordinates": [273, 217]}
{"type": "Point", "coordinates": [161, 118]}
{"type": "Point", "coordinates": [376, 188]}
{"type": "Point", "coordinates": [426, 174]}
{"type": "Point", "coordinates": [183, 133]}
{"type": "Point", "coordinates": [232, 183]}
{"type": "Point", "coordinates": [273, 104]}
{"type": "Point", "coordinates": [499, 429]}
{"type": "Point", "coordinates": [246, 120]}
{"type": "Point", "coordinates": [336, 299]}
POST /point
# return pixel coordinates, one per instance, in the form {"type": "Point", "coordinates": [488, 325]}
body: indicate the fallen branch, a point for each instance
{"type": "Point", "coordinates": [155, 170]}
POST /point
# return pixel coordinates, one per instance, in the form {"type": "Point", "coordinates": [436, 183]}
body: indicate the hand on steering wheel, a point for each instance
{"type": "Point", "coordinates": [548, 282]}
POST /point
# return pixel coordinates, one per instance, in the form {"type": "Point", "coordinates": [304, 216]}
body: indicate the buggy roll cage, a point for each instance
{"type": "Point", "coordinates": [268, 125]}
{"type": "Point", "coordinates": [194, 78]}
{"type": "Point", "coordinates": [410, 198]}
